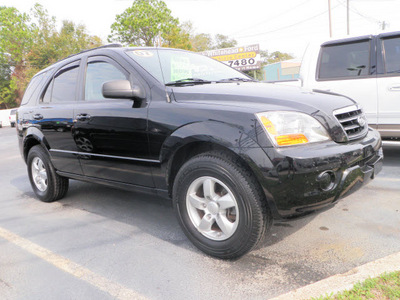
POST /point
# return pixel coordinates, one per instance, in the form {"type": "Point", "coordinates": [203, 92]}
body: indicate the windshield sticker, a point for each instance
{"type": "Point", "coordinates": [143, 53]}
{"type": "Point", "coordinates": [181, 68]}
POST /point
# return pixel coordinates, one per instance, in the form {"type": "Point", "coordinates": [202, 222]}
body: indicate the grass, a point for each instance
{"type": "Point", "coordinates": [386, 286]}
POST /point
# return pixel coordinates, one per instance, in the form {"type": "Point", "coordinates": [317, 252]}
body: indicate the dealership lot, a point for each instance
{"type": "Point", "coordinates": [102, 243]}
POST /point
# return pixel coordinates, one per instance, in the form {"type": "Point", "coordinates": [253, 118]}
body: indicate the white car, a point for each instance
{"type": "Point", "coordinates": [12, 117]}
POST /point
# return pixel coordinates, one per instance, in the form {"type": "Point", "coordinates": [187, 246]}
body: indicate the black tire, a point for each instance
{"type": "Point", "coordinates": [251, 219]}
{"type": "Point", "coordinates": [12, 124]}
{"type": "Point", "coordinates": [54, 187]}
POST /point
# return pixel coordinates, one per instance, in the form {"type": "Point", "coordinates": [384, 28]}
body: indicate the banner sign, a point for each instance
{"type": "Point", "coordinates": [241, 58]}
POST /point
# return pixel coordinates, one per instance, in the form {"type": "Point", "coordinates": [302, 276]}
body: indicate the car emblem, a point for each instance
{"type": "Point", "coordinates": [361, 121]}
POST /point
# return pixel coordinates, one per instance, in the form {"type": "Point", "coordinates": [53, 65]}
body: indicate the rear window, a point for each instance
{"type": "Point", "coordinates": [344, 61]}
{"type": "Point", "coordinates": [13, 112]}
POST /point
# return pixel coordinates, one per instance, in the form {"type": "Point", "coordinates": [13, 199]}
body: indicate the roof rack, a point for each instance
{"type": "Point", "coordinates": [100, 47]}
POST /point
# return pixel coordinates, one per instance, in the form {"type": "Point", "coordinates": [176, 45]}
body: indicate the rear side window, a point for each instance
{"type": "Point", "coordinates": [392, 55]}
{"type": "Point", "coordinates": [32, 88]}
{"type": "Point", "coordinates": [344, 61]}
{"type": "Point", "coordinates": [98, 73]}
{"type": "Point", "coordinates": [62, 87]}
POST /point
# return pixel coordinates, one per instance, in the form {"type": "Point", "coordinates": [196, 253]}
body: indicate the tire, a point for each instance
{"type": "Point", "coordinates": [46, 183]}
{"type": "Point", "coordinates": [12, 124]}
{"type": "Point", "coordinates": [235, 219]}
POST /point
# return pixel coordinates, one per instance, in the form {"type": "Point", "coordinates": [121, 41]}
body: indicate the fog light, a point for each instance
{"type": "Point", "coordinates": [326, 180]}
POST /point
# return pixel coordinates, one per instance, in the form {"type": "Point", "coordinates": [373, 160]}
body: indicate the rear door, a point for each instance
{"type": "Point", "coordinates": [54, 117]}
{"type": "Point", "coordinates": [111, 133]}
{"type": "Point", "coordinates": [389, 85]}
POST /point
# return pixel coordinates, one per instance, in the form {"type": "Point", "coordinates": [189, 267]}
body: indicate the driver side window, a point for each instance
{"type": "Point", "coordinates": [97, 73]}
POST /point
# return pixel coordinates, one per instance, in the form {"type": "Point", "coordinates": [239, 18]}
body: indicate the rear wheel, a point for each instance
{"type": "Point", "coordinates": [46, 183]}
{"type": "Point", "coordinates": [220, 205]}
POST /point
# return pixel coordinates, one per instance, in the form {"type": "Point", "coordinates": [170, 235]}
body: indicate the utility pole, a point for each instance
{"type": "Point", "coordinates": [348, 18]}
{"type": "Point", "coordinates": [330, 19]}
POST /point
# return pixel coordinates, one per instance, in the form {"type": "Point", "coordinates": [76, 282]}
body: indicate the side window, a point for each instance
{"type": "Point", "coordinates": [344, 61]}
{"type": "Point", "coordinates": [32, 88]}
{"type": "Point", "coordinates": [97, 73]}
{"type": "Point", "coordinates": [62, 87]}
{"type": "Point", "coordinates": [392, 55]}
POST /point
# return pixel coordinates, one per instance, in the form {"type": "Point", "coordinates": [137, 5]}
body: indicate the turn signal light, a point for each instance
{"type": "Point", "coordinates": [291, 139]}
{"type": "Point", "coordinates": [268, 125]}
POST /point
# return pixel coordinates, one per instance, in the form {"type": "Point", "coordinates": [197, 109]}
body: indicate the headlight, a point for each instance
{"type": "Point", "coordinates": [287, 128]}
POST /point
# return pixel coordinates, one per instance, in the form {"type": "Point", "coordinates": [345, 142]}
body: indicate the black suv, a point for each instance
{"type": "Point", "coordinates": [232, 153]}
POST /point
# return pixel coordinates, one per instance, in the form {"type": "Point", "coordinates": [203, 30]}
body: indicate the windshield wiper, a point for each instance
{"type": "Point", "coordinates": [188, 81]}
{"type": "Point", "coordinates": [236, 79]}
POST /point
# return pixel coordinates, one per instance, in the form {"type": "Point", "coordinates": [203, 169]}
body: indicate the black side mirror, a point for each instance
{"type": "Point", "coordinates": [122, 89]}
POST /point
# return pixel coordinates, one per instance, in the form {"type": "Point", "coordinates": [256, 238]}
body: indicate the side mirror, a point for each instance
{"type": "Point", "coordinates": [122, 89]}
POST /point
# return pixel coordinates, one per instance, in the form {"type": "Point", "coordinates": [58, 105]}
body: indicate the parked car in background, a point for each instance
{"type": "Point", "coordinates": [364, 68]}
{"type": "Point", "coordinates": [232, 153]}
{"type": "Point", "coordinates": [12, 117]}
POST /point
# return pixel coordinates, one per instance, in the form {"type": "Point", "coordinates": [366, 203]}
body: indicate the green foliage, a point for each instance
{"type": "Point", "coordinates": [201, 42]}
{"type": "Point", "coordinates": [145, 23]}
{"type": "Point", "coordinates": [277, 56]}
{"type": "Point", "coordinates": [223, 41]}
{"type": "Point", "coordinates": [29, 43]}
{"type": "Point", "coordinates": [387, 286]}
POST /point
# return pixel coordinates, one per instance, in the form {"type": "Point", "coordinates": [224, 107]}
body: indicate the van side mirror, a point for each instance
{"type": "Point", "coordinates": [122, 89]}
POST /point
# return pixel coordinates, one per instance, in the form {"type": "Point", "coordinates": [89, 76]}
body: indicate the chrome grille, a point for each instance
{"type": "Point", "coordinates": [353, 121]}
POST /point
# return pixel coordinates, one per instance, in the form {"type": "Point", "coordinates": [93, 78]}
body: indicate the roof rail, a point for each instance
{"type": "Point", "coordinates": [87, 50]}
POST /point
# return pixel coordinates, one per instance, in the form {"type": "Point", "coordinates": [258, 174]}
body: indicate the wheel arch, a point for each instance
{"type": "Point", "coordinates": [197, 138]}
{"type": "Point", "coordinates": [34, 137]}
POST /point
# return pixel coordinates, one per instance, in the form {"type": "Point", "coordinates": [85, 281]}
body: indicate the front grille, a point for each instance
{"type": "Point", "coordinates": [353, 121]}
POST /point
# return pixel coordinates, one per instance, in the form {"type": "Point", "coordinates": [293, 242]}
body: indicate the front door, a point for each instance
{"type": "Point", "coordinates": [111, 133]}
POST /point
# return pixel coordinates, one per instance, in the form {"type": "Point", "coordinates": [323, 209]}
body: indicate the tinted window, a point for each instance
{"type": "Point", "coordinates": [64, 85]}
{"type": "Point", "coordinates": [98, 73]}
{"type": "Point", "coordinates": [32, 88]}
{"type": "Point", "coordinates": [392, 55]}
{"type": "Point", "coordinates": [346, 60]}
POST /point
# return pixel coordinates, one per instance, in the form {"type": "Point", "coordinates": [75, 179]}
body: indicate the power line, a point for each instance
{"type": "Point", "coordinates": [272, 18]}
{"type": "Point", "coordinates": [289, 26]}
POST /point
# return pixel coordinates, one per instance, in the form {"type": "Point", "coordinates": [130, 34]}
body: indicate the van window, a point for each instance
{"type": "Point", "coordinates": [392, 55]}
{"type": "Point", "coordinates": [344, 61]}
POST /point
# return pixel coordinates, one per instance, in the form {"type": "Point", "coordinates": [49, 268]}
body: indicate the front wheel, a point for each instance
{"type": "Point", "coordinates": [46, 183]}
{"type": "Point", "coordinates": [220, 205]}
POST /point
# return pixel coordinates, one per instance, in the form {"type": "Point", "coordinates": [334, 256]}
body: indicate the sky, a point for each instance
{"type": "Point", "coordinates": [284, 25]}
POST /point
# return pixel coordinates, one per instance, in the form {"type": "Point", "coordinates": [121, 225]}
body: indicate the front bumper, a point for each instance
{"type": "Point", "coordinates": [307, 178]}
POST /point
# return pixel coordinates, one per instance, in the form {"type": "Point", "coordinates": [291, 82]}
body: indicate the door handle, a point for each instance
{"type": "Point", "coordinates": [394, 87]}
{"type": "Point", "coordinates": [83, 117]}
{"type": "Point", "coordinates": [37, 117]}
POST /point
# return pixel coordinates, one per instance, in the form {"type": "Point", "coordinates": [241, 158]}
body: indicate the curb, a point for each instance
{"type": "Point", "coordinates": [345, 281]}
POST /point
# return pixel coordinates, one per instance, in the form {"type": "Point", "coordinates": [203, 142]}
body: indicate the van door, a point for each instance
{"type": "Point", "coordinates": [389, 85]}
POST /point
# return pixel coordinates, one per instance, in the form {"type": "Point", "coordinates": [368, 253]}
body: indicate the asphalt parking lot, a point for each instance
{"type": "Point", "coordinates": [103, 243]}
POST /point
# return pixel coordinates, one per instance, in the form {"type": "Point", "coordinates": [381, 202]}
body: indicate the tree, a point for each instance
{"type": "Point", "coordinates": [15, 43]}
{"type": "Point", "coordinates": [223, 41]}
{"type": "Point", "coordinates": [201, 42]}
{"type": "Point", "coordinates": [277, 56]}
{"type": "Point", "coordinates": [29, 43]}
{"type": "Point", "coordinates": [144, 24]}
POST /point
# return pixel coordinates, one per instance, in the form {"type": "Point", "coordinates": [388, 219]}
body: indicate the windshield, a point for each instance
{"type": "Point", "coordinates": [169, 66]}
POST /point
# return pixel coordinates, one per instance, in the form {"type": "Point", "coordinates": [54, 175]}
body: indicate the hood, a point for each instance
{"type": "Point", "coordinates": [261, 96]}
